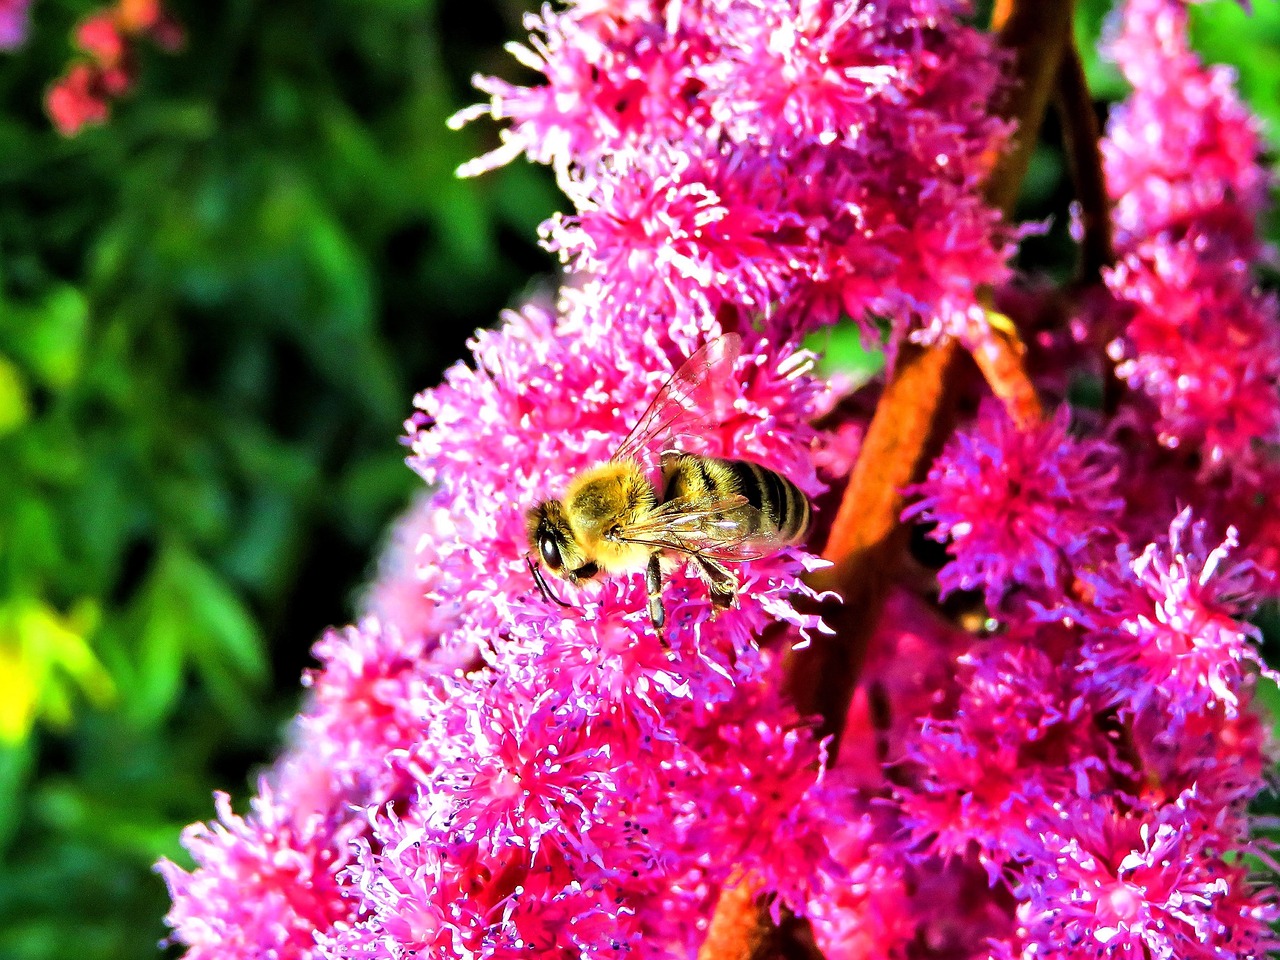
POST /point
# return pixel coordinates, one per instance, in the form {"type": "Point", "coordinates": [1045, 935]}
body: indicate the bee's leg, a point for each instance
{"type": "Point", "coordinates": [721, 582]}
{"type": "Point", "coordinates": [653, 582]}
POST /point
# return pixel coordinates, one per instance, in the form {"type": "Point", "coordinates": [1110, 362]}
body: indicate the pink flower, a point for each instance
{"type": "Point", "coordinates": [482, 772]}
{"type": "Point", "coordinates": [1020, 735]}
{"type": "Point", "coordinates": [1204, 344]}
{"type": "Point", "coordinates": [1020, 507]}
{"type": "Point", "coordinates": [79, 99]}
{"type": "Point", "coordinates": [552, 396]}
{"type": "Point", "coordinates": [100, 37]}
{"type": "Point", "coordinates": [367, 702]}
{"type": "Point", "coordinates": [808, 160]}
{"type": "Point", "coordinates": [1170, 637]}
{"type": "Point", "coordinates": [1182, 150]}
{"type": "Point", "coordinates": [684, 229]}
{"type": "Point", "coordinates": [14, 16]}
{"type": "Point", "coordinates": [265, 885]}
{"type": "Point", "coordinates": [405, 591]}
{"type": "Point", "coordinates": [1182, 166]}
{"type": "Point", "coordinates": [1103, 879]}
{"type": "Point", "coordinates": [83, 96]}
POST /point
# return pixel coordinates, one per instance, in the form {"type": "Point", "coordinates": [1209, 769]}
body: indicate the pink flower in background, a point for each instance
{"type": "Point", "coordinates": [1204, 344]}
{"type": "Point", "coordinates": [83, 95]}
{"type": "Point", "coordinates": [1182, 149]}
{"type": "Point", "coordinates": [14, 22]}
{"type": "Point", "coordinates": [1182, 165]}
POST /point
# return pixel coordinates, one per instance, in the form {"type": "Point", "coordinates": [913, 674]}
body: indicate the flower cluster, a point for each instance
{"type": "Point", "coordinates": [109, 39]}
{"type": "Point", "coordinates": [1020, 508]}
{"type": "Point", "coordinates": [1050, 748]}
{"type": "Point", "coordinates": [13, 23]}
{"type": "Point", "coordinates": [1099, 765]}
{"type": "Point", "coordinates": [1202, 342]}
{"type": "Point", "coordinates": [493, 810]}
{"type": "Point", "coordinates": [803, 161]}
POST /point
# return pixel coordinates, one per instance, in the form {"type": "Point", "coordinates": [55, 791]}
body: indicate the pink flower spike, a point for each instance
{"type": "Point", "coordinates": [1105, 882]}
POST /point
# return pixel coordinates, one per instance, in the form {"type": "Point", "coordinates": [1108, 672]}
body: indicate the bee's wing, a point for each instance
{"type": "Point", "coordinates": [685, 402]}
{"type": "Point", "coordinates": [730, 530]}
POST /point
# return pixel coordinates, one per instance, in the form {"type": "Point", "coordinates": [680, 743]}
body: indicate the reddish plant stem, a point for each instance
{"type": "Point", "coordinates": [741, 927]}
{"type": "Point", "coordinates": [867, 538]}
{"type": "Point", "coordinates": [911, 420]}
{"type": "Point", "coordinates": [1001, 356]}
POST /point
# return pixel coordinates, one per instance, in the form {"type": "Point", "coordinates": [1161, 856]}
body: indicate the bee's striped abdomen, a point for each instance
{"type": "Point", "coordinates": [777, 498]}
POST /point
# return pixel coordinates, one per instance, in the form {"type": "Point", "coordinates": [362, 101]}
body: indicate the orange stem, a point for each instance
{"type": "Point", "coordinates": [1001, 356]}
{"type": "Point", "coordinates": [867, 538]}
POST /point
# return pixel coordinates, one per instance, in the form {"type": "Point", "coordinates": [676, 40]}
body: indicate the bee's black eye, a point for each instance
{"type": "Point", "coordinates": [550, 552]}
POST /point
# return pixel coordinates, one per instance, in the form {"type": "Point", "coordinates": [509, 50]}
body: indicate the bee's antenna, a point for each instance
{"type": "Point", "coordinates": [542, 584]}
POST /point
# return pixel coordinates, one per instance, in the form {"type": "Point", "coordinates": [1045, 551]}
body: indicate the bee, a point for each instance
{"type": "Point", "coordinates": [705, 511]}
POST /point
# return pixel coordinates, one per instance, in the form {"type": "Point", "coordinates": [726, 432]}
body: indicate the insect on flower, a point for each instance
{"type": "Point", "coordinates": [706, 511]}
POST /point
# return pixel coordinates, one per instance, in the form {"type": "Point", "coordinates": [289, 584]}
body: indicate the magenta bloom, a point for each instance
{"type": "Point", "coordinates": [1108, 880]}
{"type": "Point", "coordinates": [1170, 631]}
{"type": "Point", "coordinates": [265, 884]}
{"type": "Point", "coordinates": [1182, 165]}
{"type": "Point", "coordinates": [1204, 344]}
{"type": "Point", "coordinates": [1182, 150]}
{"type": "Point", "coordinates": [806, 161]}
{"type": "Point", "coordinates": [14, 17]}
{"type": "Point", "coordinates": [1021, 735]}
{"type": "Point", "coordinates": [1019, 507]}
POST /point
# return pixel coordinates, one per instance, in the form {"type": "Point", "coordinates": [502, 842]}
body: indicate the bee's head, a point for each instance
{"type": "Point", "coordinates": [552, 541]}
{"type": "Point", "coordinates": [549, 535]}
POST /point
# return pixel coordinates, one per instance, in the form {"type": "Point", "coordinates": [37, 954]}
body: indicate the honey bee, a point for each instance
{"type": "Point", "coordinates": [706, 511]}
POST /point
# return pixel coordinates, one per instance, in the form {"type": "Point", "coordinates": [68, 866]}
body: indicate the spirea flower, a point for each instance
{"type": "Point", "coordinates": [264, 884]}
{"type": "Point", "coordinates": [1182, 149]}
{"type": "Point", "coordinates": [804, 160]}
{"type": "Point", "coordinates": [529, 771]}
{"type": "Point", "coordinates": [1169, 625]}
{"type": "Point", "coordinates": [1018, 507]}
{"type": "Point", "coordinates": [1204, 344]}
{"type": "Point", "coordinates": [1104, 881]}
{"type": "Point", "coordinates": [1182, 166]}
{"type": "Point", "coordinates": [1021, 734]}
{"type": "Point", "coordinates": [552, 396]}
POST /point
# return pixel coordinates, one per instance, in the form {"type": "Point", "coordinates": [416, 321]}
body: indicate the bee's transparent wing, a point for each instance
{"type": "Point", "coordinates": [730, 530]}
{"type": "Point", "coordinates": [685, 403]}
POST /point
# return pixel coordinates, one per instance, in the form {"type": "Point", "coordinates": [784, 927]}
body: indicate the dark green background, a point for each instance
{"type": "Point", "coordinates": [214, 312]}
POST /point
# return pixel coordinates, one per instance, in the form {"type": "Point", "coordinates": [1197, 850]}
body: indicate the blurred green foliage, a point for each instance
{"type": "Point", "coordinates": [213, 314]}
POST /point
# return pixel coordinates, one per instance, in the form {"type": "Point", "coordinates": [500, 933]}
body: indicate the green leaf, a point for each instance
{"type": "Point", "coordinates": [15, 404]}
{"type": "Point", "coordinates": [842, 351]}
{"type": "Point", "coordinates": [49, 336]}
